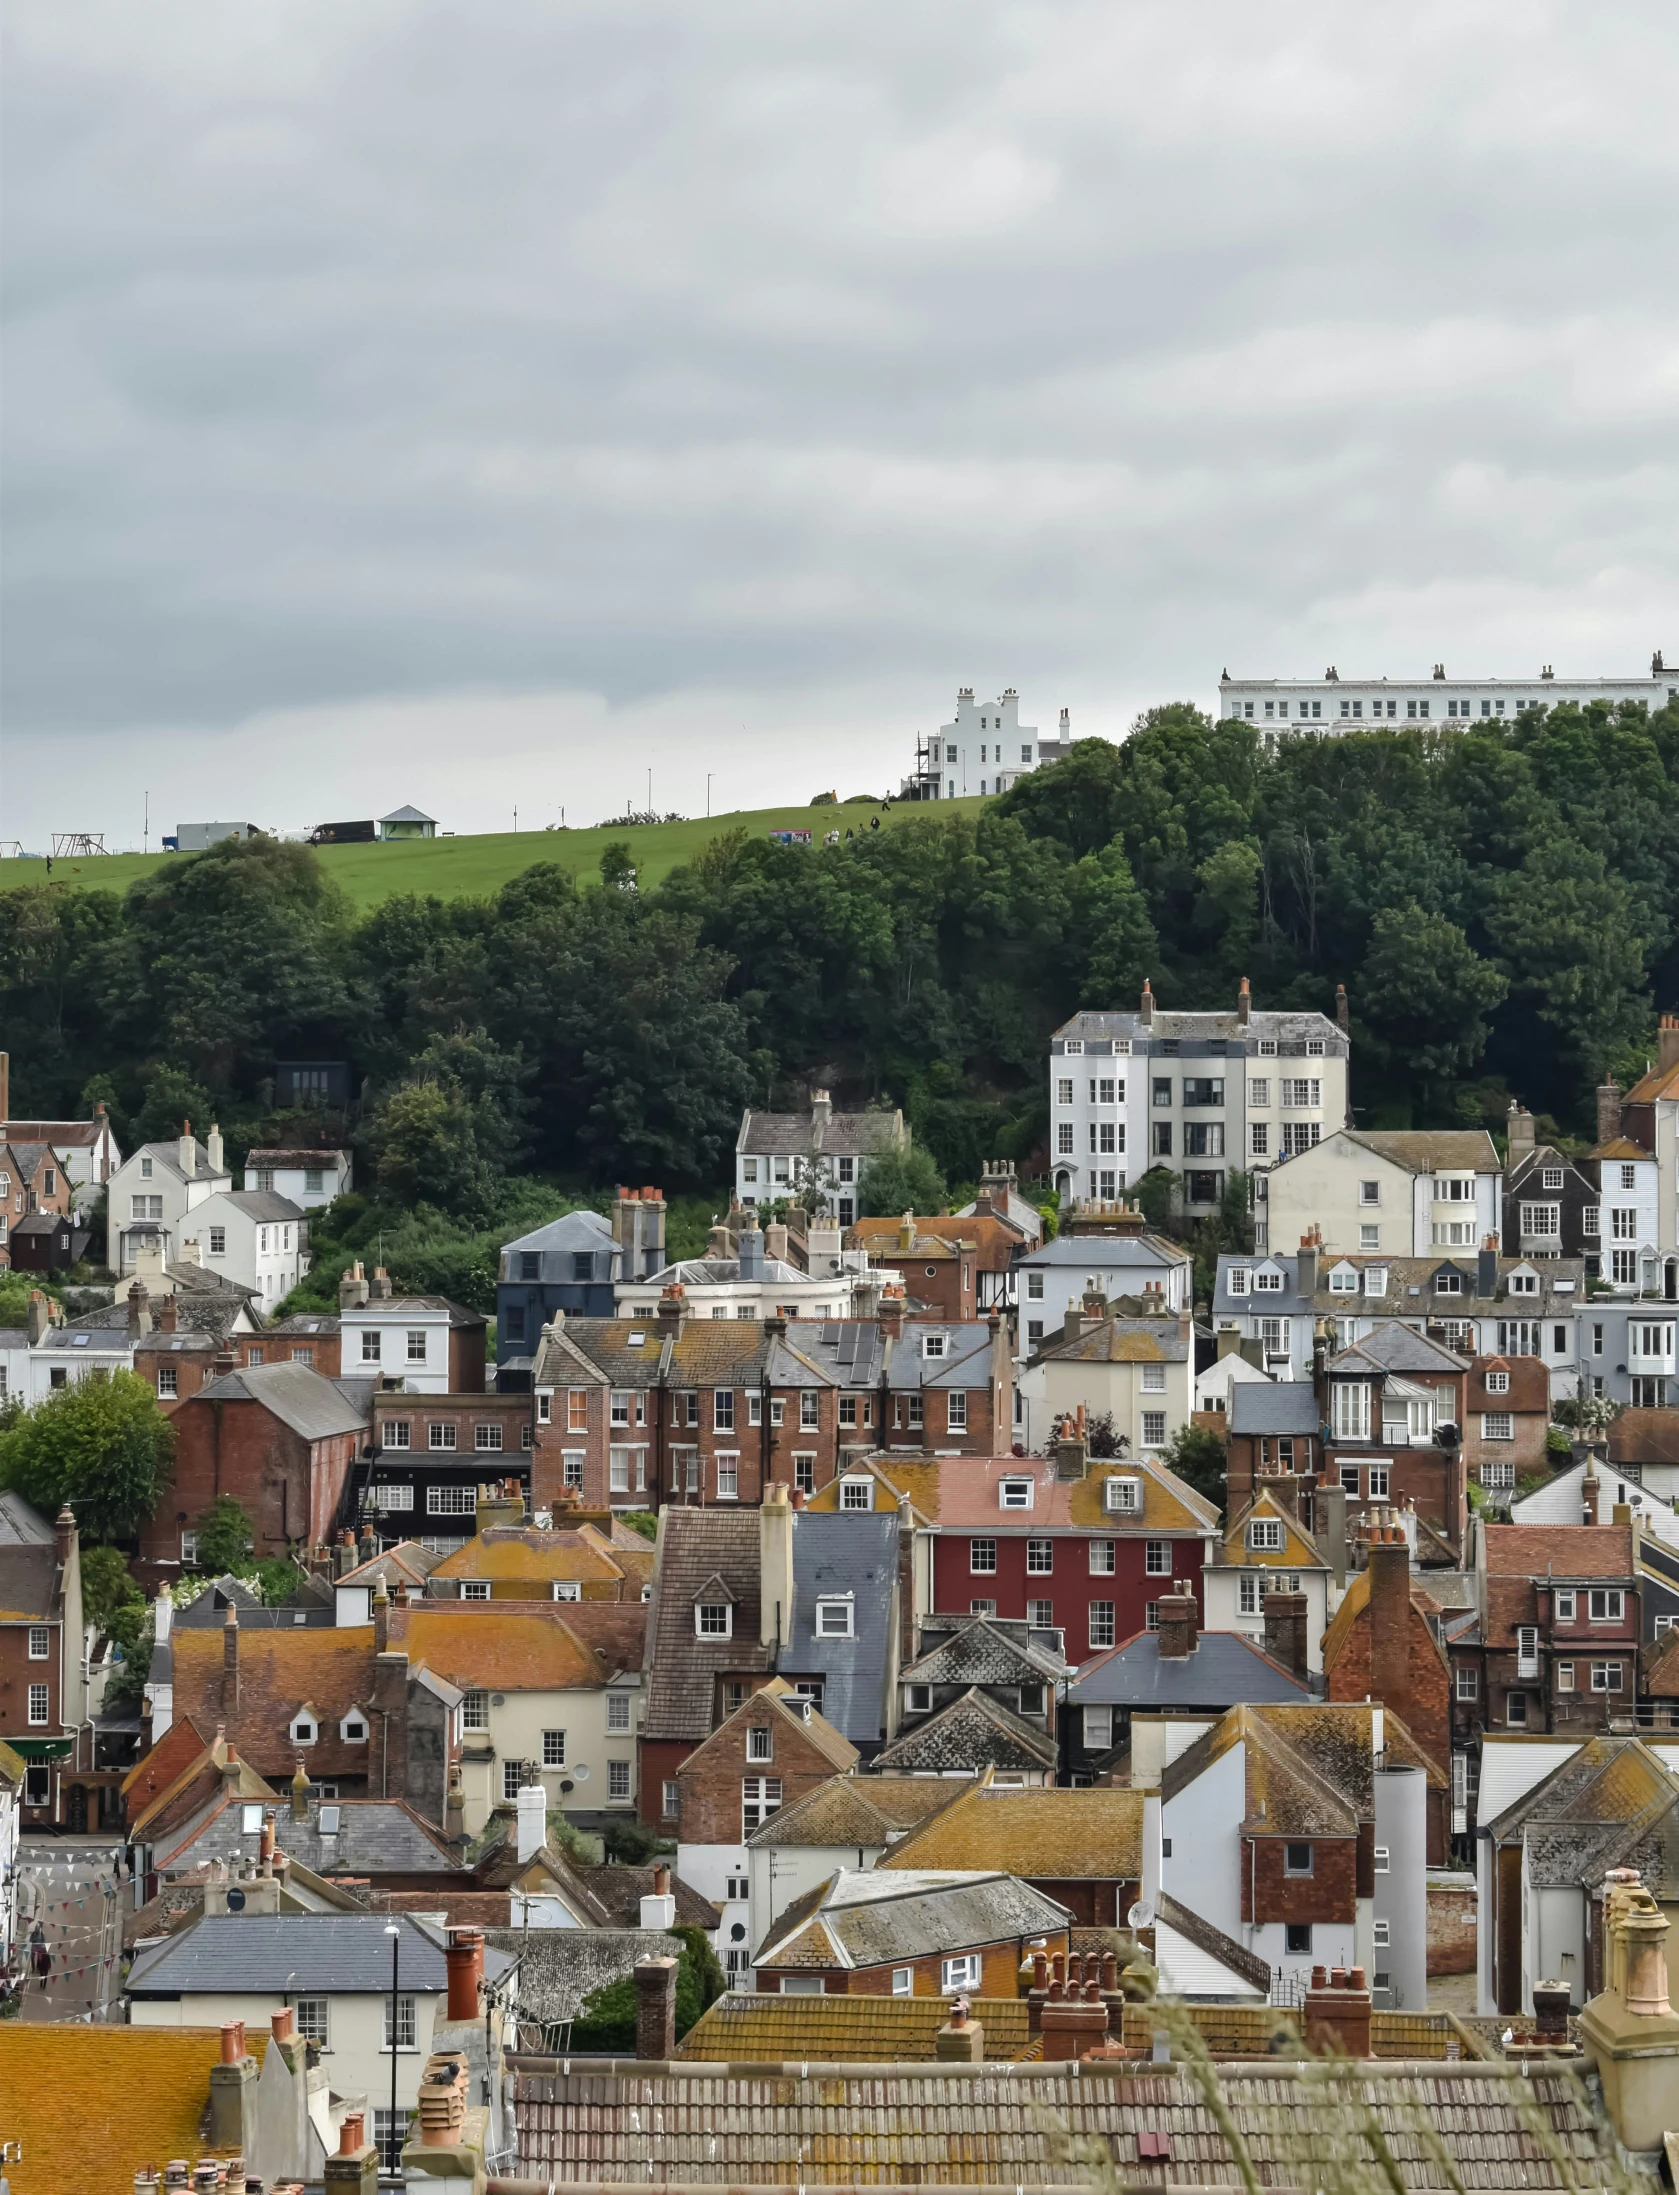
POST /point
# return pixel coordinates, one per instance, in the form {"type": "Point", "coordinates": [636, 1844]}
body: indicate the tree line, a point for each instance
{"type": "Point", "coordinates": [1501, 902]}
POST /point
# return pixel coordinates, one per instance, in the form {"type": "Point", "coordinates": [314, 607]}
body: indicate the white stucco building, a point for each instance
{"type": "Point", "coordinates": [1278, 707]}
{"type": "Point", "coordinates": [309, 1178]}
{"type": "Point", "coordinates": [983, 750]}
{"type": "Point", "coordinates": [251, 1236]}
{"type": "Point", "coordinates": [153, 1191]}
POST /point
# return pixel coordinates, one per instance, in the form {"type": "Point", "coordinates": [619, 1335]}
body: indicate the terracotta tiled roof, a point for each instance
{"type": "Point", "coordinates": [279, 1672]}
{"type": "Point", "coordinates": [1047, 1835]}
{"type": "Point", "coordinates": [815, 2124]}
{"type": "Point", "coordinates": [1529, 1384]}
{"type": "Point", "coordinates": [857, 1810]}
{"type": "Point", "coordinates": [1618, 1147]}
{"type": "Point", "coordinates": [968, 1497]}
{"type": "Point", "coordinates": [1658, 1082]}
{"type": "Point", "coordinates": [507, 1551]}
{"type": "Point", "coordinates": [91, 2105]}
{"type": "Point", "coordinates": [845, 2030]}
{"type": "Point", "coordinates": [501, 1646]}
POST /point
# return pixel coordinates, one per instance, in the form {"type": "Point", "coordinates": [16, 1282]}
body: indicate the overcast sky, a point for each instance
{"type": "Point", "coordinates": [480, 405]}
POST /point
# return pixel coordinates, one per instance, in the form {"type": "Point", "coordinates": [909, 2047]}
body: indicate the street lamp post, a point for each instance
{"type": "Point", "coordinates": [395, 1934]}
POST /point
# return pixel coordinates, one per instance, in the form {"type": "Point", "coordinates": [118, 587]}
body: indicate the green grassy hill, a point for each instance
{"type": "Point", "coordinates": [452, 868]}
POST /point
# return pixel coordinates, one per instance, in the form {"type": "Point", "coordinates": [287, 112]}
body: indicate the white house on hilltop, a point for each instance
{"type": "Point", "coordinates": [1279, 707]}
{"type": "Point", "coordinates": [983, 751]}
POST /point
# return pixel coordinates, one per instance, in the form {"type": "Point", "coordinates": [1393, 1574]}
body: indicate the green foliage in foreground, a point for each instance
{"type": "Point", "coordinates": [101, 1444]}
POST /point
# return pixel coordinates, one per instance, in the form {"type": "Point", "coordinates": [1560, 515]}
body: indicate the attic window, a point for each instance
{"type": "Point", "coordinates": [304, 1729]}
{"type": "Point", "coordinates": [1124, 1494]}
{"type": "Point", "coordinates": [918, 1699]}
{"type": "Point", "coordinates": [1268, 1280]}
{"type": "Point", "coordinates": [1524, 1284]}
{"type": "Point", "coordinates": [932, 1345]}
{"type": "Point", "coordinates": [1550, 1177]}
{"type": "Point", "coordinates": [353, 1730]}
{"type": "Point", "coordinates": [713, 1620]}
{"type": "Point", "coordinates": [1236, 1280]}
{"type": "Point", "coordinates": [637, 1340]}
{"type": "Point", "coordinates": [1015, 1494]}
{"type": "Point", "coordinates": [1266, 1532]}
{"type": "Point", "coordinates": [330, 1818]}
{"type": "Point", "coordinates": [250, 1819]}
{"type": "Point", "coordinates": [1343, 1281]}
{"type": "Point", "coordinates": [856, 1493]}
{"type": "Point", "coordinates": [834, 1618]}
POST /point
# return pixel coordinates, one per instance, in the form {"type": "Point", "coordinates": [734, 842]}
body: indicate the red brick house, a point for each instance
{"type": "Point", "coordinates": [1506, 1416]}
{"type": "Point", "coordinates": [771, 1751]}
{"type": "Point", "coordinates": [308, 1337]}
{"type": "Point", "coordinates": [279, 1438]}
{"type": "Point", "coordinates": [1558, 1642]}
{"type": "Point", "coordinates": [35, 1190]}
{"type": "Point", "coordinates": [1383, 1645]}
{"type": "Point", "coordinates": [43, 1683]}
{"type": "Point", "coordinates": [938, 1258]}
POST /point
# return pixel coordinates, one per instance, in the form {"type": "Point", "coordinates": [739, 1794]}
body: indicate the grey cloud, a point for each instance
{"type": "Point", "coordinates": [391, 350]}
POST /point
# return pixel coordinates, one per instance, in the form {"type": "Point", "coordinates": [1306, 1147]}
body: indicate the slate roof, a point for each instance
{"type": "Point", "coordinates": [1428, 1150]}
{"type": "Point", "coordinates": [1287, 1406]}
{"type": "Point", "coordinates": [343, 1954]}
{"type": "Point", "coordinates": [1094, 1835]}
{"type": "Point", "coordinates": [618, 1891]}
{"type": "Point", "coordinates": [973, 1732]}
{"type": "Point", "coordinates": [28, 1580]}
{"type": "Point", "coordinates": [374, 1837]}
{"type": "Point", "coordinates": [1614, 1803]}
{"type": "Point", "coordinates": [312, 1406]}
{"type": "Point", "coordinates": [1296, 1028]}
{"type": "Point", "coordinates": [857, 1810]}
{"type": "Point", "coordinates": [1310, 1769]}
{"type": "Point", "coordinates": [1105, 1253]}
{"type": "Point", "coordinates": [868, 1917]}
{"type": "Point", "coordinates": [1409, 1291]}
{"type": "Point", "coordinates": [682, 1670]}
{"type": "Point", "coordinates": [1394, 1347]}
{"type": "Point", "coordinates": [847, 1135]}
{"type": "Point", "coordinates": [562, 1239]}
{"type": "Point", "coordinates": [379, 1308]}
{"type": "Point", "coordinates": [169, 1154]}
{"type": "Point", "coordinates": [294, 1156]}
{"type": "Point", "coordinates": [1223, 1670]}
{"type": "Point", "coordinates": [1217, 1945]}
{"type": "Point", "coordinates": [842, 1352]}
{"type": "Point", "coordinates": [1002, 2125]}
{"type": "Point", "coordinates": [983, 1650]}
{"type": "Point", "coordinates": [847, 2030]}
{"type": "Point", "coordinates": [22, 1525]}
{"type": "Point", "coordinates": [855, 1555]}
{"type": "Point", "coordinates": [1124, 1341]}
{"type": "Point", "coordinates": [261, 1205]}
{"type": "Point", "coordinates": [205, 1303]}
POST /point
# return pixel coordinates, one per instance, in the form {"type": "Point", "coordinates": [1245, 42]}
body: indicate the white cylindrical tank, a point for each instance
{"type": "Point", "coordinates": [1401, 1899]}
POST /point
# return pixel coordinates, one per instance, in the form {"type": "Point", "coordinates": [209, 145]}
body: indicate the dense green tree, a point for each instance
{"type": "Point", "coordinates": [901, 1181]}
{"type": "Point", "coordinates": [101, 1444]}
{"type": "Point", "coordinates": [1429, 993]}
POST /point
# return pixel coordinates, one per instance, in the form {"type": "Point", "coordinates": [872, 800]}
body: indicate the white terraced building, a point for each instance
{"type": "Point", "coordinates": [1335, 704]}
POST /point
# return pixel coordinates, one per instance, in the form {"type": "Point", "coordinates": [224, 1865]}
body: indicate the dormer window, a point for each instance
{"type": "Point", "coordinates": [1375, 1280]}
{"type": "Point", "coordinates": [1550, 1177]}
{"type": "Point", "coordinates": [1343, 1281]}
{"type": "Point", "coordinates": [932, 1345]}
{"type": "Point", "coordinates": [353, 1729]}
{"type": "Point", "coordinates": [1237, 1280]}
{"type": "Point", "coordinates": [1015, 1494]}
{"type": "Point", "coordinates": [1448, 1284]}
{"type": "Point", "coordinates": [1524, 1284]}
{"type": "Point", "coordinates": [1498, 1383]}
{"type": "Point", "coordinates": [1265, 1534]}
{"type": "Point", "coordinates": [1269, 1280]}
{"type": "Point", "coordinates": [304, 1728]}
{"type": "Point", "coordinates": [713, 1620]}
{"type": "Point", "coordinates": [918, 1699]}
{"type": "Point", "coordinates": [834, 1618]}
{"type": "Point", "coordinates": [1125, 1495]}
{"type": "Point", "coordinates": [856, 1493]}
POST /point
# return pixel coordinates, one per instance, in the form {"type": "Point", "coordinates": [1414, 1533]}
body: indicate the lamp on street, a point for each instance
{"type": "Point", "coordinates": [395, 1934]}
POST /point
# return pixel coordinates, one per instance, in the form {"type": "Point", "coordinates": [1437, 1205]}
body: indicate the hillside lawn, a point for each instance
{"type": "Point", "coordinates": [454, 868]}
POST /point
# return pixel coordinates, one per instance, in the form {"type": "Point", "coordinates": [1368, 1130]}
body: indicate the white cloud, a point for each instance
{"type": "Point", "coordinates": [507, 389]}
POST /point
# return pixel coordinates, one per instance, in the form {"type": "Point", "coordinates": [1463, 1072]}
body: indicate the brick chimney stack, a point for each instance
{"type": "Point", "coordinates": [1175, 1618]}
{"type": "Point", "coordinates": [381, 1618]}
{"type": "Point", "coordinates": [1343, 1019]}
{"type": "Point", "coordinates": [655, 2009]}
{"type": "Point", "coordinates": [139, 1310]}
{"type": "Point", "coordinates": [463, 1961]}
{"type": "Point", "coordinates": [230, 1661]}
{"type": "Point", "coordinates": [1286, 1631]}
{"type": "Point", "coordinates": [1608, 1109]}
{"type": "Point", "coordinates": [1390, 1616]}
{"type": "Point", "coordinates": [1667, 1042]}
{"type": "Point", "coordinates": [1244, 1004]}
{"type": "Point", "coordinates": [891, 1314]}
{"type": "Point", "coordinates": [1338, 2007]}
{"type": "Point", "coordinates": [1145, 1006]}
{"type": "Point", "coordinates": [165, 1317]}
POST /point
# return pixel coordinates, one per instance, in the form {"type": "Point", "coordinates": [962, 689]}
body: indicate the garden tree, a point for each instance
{"type": "Point", "coordinates": [60, 950]}
{"type": "Point", "coordinates": [899, 1181]}
{"type": "Point", "coordinates": [171, 1099]}
{"type": "Point", "coordinates": [101, 1444]}
{"type": "Point", "coordinates": [1196, 1454]}
{"type": "Point", "coordinates": [233, 954]}
{"type": "Point", "coordinates": [1111, 929]}
{"type": "Point", "coordinates": [1154, 1192]}
{"type": "Point", "coordinates": [225, 1537]}
{"type": "Point", "coordinates": [1429, 992]}
{"type": "Point", "coordinates": [1572, 939]}
{"type": "Point", "coordinates": [426, 1151]}
{"type": "Point", "coordinates": [617, 866]}
{"type": "Point", "coordinates": [106, 1586]}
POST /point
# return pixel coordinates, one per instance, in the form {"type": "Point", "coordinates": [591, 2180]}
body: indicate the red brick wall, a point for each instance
{"type": "Point", "coordinates": [18, 1673]}
{"type": "Point", "coordinates": [999, 1973]}
{"type": "Point", "coordinates": [711, 1776]}
{"type": "Point", "coordinates": [1451, 1929]}
{"type": "Point", "coordinates": [193, 1369]}
{"type": "Point", "coordinates": [289, 1487]}
{"type": "Point", "coordinates": [661, 1758]}
{"type": "Point", "coordinates": [325, 1357]}
{"type": "Point", "coordinates": [1329, 1893]}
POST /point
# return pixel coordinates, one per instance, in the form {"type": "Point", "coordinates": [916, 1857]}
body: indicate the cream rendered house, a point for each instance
{"type": "Point", "coordinates": [152, 1193]}
{"type": "Point", "coordinates": [1403, 1194]}
{"type": "Point", "coordinates": [1141, 1372]}
{"type": "Point", "coordinates": [1266, 1550]}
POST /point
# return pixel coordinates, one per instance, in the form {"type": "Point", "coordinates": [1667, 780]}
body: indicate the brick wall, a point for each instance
{"type": "Point", "coordinates": [18, 1673]}
{"type": "Point", "coordinates": [322, 1353]}
{"type": "Point", "coordinates": [711, 1777]}
{"type": "Point", "coordinates": [290, 1488]}
{"type": "Point", "coordinates": [1270, 1893]}
{"type": "Point", "coordinates": [1451, 1928]}
{"type": "Point", "coordinates": [999, 1973]}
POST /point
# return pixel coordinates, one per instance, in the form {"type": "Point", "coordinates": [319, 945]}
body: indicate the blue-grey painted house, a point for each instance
{"type": "Point", "coordinates": [570, 1265]}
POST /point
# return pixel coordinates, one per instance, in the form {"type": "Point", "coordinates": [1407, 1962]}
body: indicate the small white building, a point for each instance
{"type": "Point", "coordinates": [1628, 1217]}
{"type": "Point", "coordinates": [309, 1178]}
{"type": "Point", "coordinates": [399, 1337]}
{"type": "Point", "coordinates": [153, 1191]}
{"type": "Point", "coordinates": [1232, 1369]}
{"type": "Point", "coordinates": [254, 1237]}
{"type": "Point", "coordinates": [1285, 707]}
{"type": "Point", "coordinates": [50, 1352]}
{"type": "Point", "coordinates": [779, 1154]}
{"type": "Point", "coordinates": [1404, 1192]}
{"type": "Point", "coordinates": [984, 750]}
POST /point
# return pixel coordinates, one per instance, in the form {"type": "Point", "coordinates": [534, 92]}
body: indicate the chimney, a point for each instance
{"type": "Point", "coordinates": [443, 2098]}
{"type": "Point", "coordinates": [652, 1232]}
{"type": "Point", "coordinates": [626, 1232]}
{"type": "Point", "coordinates": [1518, 1130]}
{"type": "Point", "coordinates": [906, 1234]}
{"type": "Point", "coordinates": [230, 1661]}
{"type": "Point", "coordinates": [230, 1770]}
{"type": "Point", "coordinates": [64, 1536]}
{"type": "Point", "coordinates": [891, 1315]}
{"type": "Point", "coordinates": [532, 1820]}
{"type": "Point", "coordinates": [463, 1961]}
{"type": "Point", "coordinates": [775, 1243]}
{"type": "Point", "coordinates": [381, 1618]}
{"type": "Point", "coordinates": [1390, 1619]}
{"type": "Point", "coordinates": [165, 1317]}
{"type": "Point", "coordinates": [352, 1289]}
{"type": "Point", "coordinates": [749, 1249]}
{"type": "Point", "coordinates": [1244, 1004]}
{"type": "Point", "coordinates": [213, 1144]}
{"type": "Point", "coordinates": [500, 1506]}
{"type": "Point", "coordinates": [1630, 2030]}
{"type": "Point", "coordinates": [1070, 1448]}
{"type": "Point", "coordinates": [185, 1152]}
{"type": "Point", "coordinates": [454, 1806]}
{"type": "Point", "coordinates": [1667, 1043]}
{"type": "Point", "coordinates": [1486, 1268]}
{"type": "Point", "coordinates": [673, 1308]}
{"type": "Point", "coordinates": [163, 1613]}
{"type": "Point", "coordinates": [658, 1908]}
{"type": "Point", "coordinates": [1341, 1016]}
{"type": "Point", "coordinates": [1175, 1621]}
{"type": "Point", "coordinates": [1074, 2019]}
{"type": "Point", "coordinates": [961, 2041]}
{"type": "Point", "coordinates": [1608, 1109]}
{"type": "Point", "coordinates": [1286, 1633]}
{"type": "Point", "coordinates": [655, 2009]}
{"type": "Point", "coordinates": [775, 1569]}
{"type": "Point", "coordinates": [380, 1291]}
{"type": "Point", "coordinates": [1145, 1005]}
{"type": "Point", "coordinates": [40, 1318]}
{"type": "Point", "coordinates": [1066, 727]}
{"type": "Point", "coordinates": [821, 1115]}
{"type": "Point", "coordinates": [139, 1310]}
{"type": "Point", "coordinates": [229, 2080]}
{"type": "Point", "coordinates": [1306, 1266]}
{"type": "Point", "coordinates": [300, 1793]}
{"type": "Point", "coordinates": [1338, 2009]}
{"type": "Point", "coordinates": [1551, 2001]}
{"type": "Point", "coordinates": [1591, 1493]}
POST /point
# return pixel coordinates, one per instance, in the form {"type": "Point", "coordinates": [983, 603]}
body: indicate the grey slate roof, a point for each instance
{"type": "Point", "coordinates": [1105, 1343]}
{"type": "Point", "coordinates": [1105, 1253]}
{"type": "Point", "coordinates": [831, 1556]}
{"type": "Point", "coordinates": [1283, 1406]}
{"type": "Point", "coordinates": [847, 1135]}
{"type": "Point", "coordinates": [1224, 1670]}
{"type": "Point", "coordinates": [973, 1732]}
{"type": "Point", "coordinates": [983, 1650]}
{"type": "Point", "coordinates": [1197, 1028]}
{"type": "Point", "coordinates": [21, 1525]}
{"type": "Point", "coordinates": [849, 1352]}
{"type": "Point", "coordinates": [344, 1954]}
{"type": "Point", "coordinates": [571, 1235]}
{"type": "Point", "coordinates": [379, 1308]}
{"type": "Point", "coordinates": [313, 1406]}
{"type": "Point", "coordinates": [375, 1837]}
{"type": "Point", "coordinates": [875, 1916]}
{"type": "Point", "coordinates": [1410, 1291]}
{"type": "Point", "coordinates": [1393, 1347]}
{"type": "Point", "coordinates": [169, 1154]}
{"type": "Point", "coordinates": [264, 1205]}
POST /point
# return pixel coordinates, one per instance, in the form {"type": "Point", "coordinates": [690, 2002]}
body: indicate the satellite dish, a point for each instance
{"type": "Point", "coordinates": [236, 1900]}
{"type": "Point", "coordinates": [1141, 1914]}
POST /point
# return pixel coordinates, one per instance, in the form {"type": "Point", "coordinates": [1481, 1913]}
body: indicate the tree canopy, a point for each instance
{"type": "Point", "coordinates": [101, 1444]}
